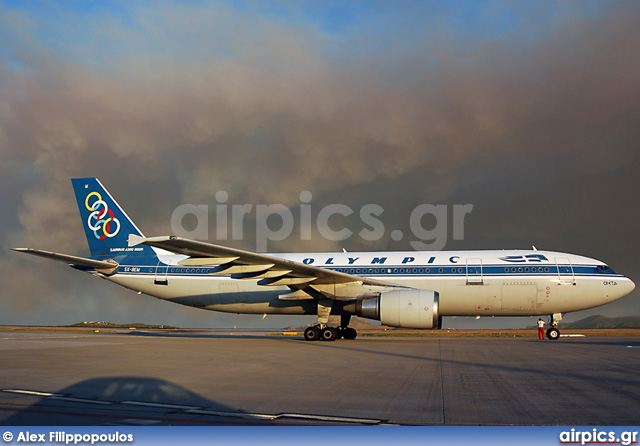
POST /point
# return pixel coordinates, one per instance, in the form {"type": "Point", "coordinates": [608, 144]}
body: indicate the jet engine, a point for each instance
{"type": "Point", "coordinates": [402, 308]}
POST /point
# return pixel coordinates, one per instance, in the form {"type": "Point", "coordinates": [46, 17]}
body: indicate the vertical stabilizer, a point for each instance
{"type": "Point", "coordinates": [105, 223]}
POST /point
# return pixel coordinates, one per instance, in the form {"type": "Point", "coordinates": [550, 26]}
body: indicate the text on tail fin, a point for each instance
{"type": "Point", "coordinates": [106, 225]}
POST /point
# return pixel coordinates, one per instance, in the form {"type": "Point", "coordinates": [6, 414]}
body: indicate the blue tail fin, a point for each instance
{"type": "Point", "coordinates": [106, 225]}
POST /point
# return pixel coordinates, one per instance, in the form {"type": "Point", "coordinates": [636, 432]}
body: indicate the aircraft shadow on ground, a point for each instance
{"type": "Point", "coordinates": [118, 400]}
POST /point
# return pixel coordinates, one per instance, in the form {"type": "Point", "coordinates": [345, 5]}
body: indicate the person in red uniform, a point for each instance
{"type": "Point", "coordinates": [541, 329]}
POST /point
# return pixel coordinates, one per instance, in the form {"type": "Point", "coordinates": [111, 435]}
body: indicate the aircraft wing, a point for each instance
{"type": "Point", "coordinates": [98, 265]}
{"type": "Point", "coordinates": [270, 270]}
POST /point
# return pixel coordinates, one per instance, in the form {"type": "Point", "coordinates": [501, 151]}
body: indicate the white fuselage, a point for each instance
{"type": "Point", "coordinates": [470, 283]}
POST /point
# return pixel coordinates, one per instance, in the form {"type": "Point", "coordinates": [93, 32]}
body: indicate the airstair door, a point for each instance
{"type": "Point", "coordinates": [474, 272]}
{"type": "Point", "coordinates": [162, 274]}
{"type": "Point", "coordinates": [566, 274]}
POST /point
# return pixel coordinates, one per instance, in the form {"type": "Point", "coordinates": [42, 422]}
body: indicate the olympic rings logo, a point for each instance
{"type": "Point", "coordinates": [101, 220]}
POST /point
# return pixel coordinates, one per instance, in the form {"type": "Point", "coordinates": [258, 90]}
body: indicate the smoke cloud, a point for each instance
{"type": "Point", "coordinates": [535, 124]}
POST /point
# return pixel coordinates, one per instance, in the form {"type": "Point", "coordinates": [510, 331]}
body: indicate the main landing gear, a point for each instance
{"type": "Point", "coordinates": [315, 333]}
{"type": "Point", "coordinates": [553, 333]}
{"type": "Point", "coordinates": [326, 333]}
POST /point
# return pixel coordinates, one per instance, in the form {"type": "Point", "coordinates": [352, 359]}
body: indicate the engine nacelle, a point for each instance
{"type": "Point", "coordinates": [403, 308]}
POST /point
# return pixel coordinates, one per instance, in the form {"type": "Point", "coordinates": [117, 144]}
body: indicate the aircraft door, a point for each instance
{"type": "Point", "coordinates": [162, 274]}
{"type": "Point", "coordinates": [566, 274]}
{"type": "Point", "coordinates": [474, 272]}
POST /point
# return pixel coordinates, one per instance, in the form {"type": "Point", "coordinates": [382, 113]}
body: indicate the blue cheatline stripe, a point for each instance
{"type": "Point", "coordinates": [426, 272]}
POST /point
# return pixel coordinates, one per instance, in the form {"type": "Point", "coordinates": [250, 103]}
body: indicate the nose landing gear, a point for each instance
{"type": "Point", "coordinates": [553, 333]}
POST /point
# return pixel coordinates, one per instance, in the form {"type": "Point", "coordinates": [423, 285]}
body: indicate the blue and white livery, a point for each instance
{"type": "Point", "coordinates": [400, 289]}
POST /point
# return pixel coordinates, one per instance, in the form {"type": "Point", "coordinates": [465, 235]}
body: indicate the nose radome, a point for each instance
{"type": "Point", "coordinates": [627, 287]}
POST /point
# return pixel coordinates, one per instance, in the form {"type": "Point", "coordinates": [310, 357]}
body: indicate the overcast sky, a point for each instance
{"type": "Point", "coordinates": [531, 113]}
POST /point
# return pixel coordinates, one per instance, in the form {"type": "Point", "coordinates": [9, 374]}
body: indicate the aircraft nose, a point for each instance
{"type": "Point", "coordinates": [624, 287]}
{"type": "Point", "coordinates": [627, 286]}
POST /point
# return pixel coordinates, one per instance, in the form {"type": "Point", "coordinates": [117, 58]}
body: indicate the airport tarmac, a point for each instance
{"type": "Point", "coordinates": [213, 377]}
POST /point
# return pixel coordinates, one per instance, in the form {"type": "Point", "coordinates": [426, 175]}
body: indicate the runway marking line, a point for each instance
{"type": "Point", "coordinates": [80, 400]}
{"type": "Point", "coordinates": [218, 413]}
{"type": "Point", "coordinates": [195, 410]}
{"type": "Point", "coordinates": [133, 422]}
{"type": "Point", "coordinates": [127, 418]}
{"type": "Point", "coordinates": [31, 392]}
{"type": "Point", "coordinates": [330, 418]}
{"type": "Point", "coordinates": [159, 405]}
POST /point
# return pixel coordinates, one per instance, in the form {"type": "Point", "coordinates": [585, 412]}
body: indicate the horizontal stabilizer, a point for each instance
{"type": "Point", "coordinates": [104, 266]}
{"type": "Point", "coordinates": [135, 240]}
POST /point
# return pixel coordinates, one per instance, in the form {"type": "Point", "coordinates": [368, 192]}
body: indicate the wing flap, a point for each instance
{"type": "Point", "coordinates": [262, 274]}
{"type": "Point", "coordinates": [279, 281]}
{"type": "Point", "coordinates": [206, 261]}
{"type": "Point", "coordinates": [242, 269]}
{"type": "Point", "coordinates": [296, 295]}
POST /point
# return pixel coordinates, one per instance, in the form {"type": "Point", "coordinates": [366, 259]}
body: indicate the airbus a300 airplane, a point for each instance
{"type": "Point", "coordinates": [400, 289]}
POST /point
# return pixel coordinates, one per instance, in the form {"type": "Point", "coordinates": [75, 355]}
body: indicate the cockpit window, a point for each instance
{"type": "Point", "coordinates": [604, 269]}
